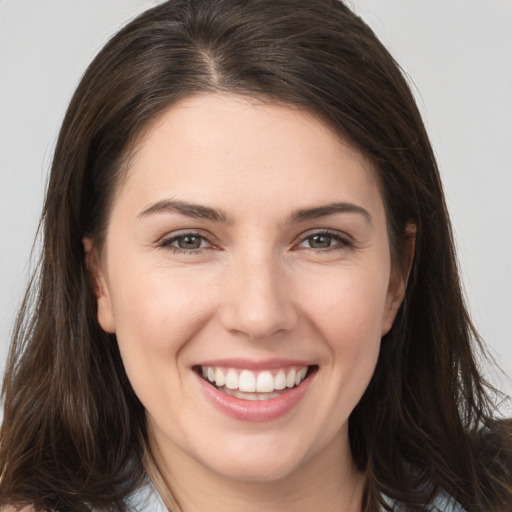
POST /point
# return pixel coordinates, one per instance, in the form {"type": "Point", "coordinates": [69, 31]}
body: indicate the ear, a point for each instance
{"type": "Point", "coordinates": [101, 292]}
{"type": "Point", "coordinates": [398, 278]}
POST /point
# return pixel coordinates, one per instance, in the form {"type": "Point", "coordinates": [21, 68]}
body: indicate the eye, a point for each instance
{"type": "Point", "coordinates": [320, 241]}
{"type": "Point", "coordinates": [325, 241]}
{"type": "Point", "coordinates": [191, 243]}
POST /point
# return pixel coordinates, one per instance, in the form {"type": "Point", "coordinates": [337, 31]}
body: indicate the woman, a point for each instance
{"type": "Point", "coordinates": [248, 296]}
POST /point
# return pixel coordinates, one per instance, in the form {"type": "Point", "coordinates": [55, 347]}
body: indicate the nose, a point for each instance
{"type": "Point", "coordinates": [258, 299]}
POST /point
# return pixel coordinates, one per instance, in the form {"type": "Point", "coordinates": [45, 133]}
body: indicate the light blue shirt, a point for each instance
{"type": "Point", "coordinates": [442, 503]}
{"type": "Point", "coordinates": [147, 499]}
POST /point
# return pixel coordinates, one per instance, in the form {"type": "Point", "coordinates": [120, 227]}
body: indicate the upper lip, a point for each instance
{"type": "Point", "coordinates": [251, 364]}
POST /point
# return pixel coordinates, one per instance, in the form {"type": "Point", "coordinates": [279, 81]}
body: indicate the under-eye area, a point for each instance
{"type": "Point", "coordinates": [255, 385]}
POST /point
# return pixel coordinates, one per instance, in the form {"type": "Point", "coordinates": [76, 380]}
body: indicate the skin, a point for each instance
{"type": "Point", "coordinates": [256, 289]}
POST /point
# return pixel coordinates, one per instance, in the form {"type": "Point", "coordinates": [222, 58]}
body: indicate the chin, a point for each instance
{"type": "Point", "coordinates": [263, 462]}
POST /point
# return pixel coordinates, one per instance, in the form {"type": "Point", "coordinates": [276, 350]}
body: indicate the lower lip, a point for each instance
{"type": "Point", "coordinates": [257, 410]}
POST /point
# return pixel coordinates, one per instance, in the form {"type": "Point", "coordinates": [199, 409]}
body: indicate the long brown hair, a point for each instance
{"type": "Point", "coordinates": [74, 432]}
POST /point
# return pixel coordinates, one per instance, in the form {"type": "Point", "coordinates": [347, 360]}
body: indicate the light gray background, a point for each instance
{"type": "Point", "coordinates": [458, 52]}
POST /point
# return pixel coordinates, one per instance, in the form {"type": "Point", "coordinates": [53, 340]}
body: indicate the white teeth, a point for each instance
{"type": "Point", "coordinates": [247, 382]}
{"type": "Point", "coordinates": [220, 380]}
{"type": "Point", "coordinates": [290, 379]}
{"type": "Point", "coordinates": [232, 380]}
{"type": "Point", "coordinates": [280, 380]}
{"type": "Point", "coordinates": [265, 383]}
{"type": "Point", "coordinates": [245, 396]}
{"type": "Point", "coordinates": [254, 385]}
{"type": "Point", "coordinates": [251, 396]}
{"type": "Point", "coordinates": [299, 377]}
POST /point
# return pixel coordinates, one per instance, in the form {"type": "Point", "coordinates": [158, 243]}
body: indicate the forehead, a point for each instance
{"type": "Point", "coordinates": [231, 149]}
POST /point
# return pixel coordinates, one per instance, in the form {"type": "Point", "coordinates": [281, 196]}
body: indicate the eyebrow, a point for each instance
{"type": "Point", "coordinates": [185, 208]}
{"type": "Point", "coordinates": [329, 209]}
{"type": "Point", "coordinates": [213, 214]}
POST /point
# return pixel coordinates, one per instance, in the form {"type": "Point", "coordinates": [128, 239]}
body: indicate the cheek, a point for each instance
{"type": "Point", "coordinates": [347, 310]}
{"type": "Point", "coordinates": [156, 315]}
{"type": "Point", "coordinates": [156, 318]}
{"type": "Point", "coordinates": [344, 313]}
{"type": "Point", "coordinates": [348, 306]}
{"type": "Point", "coordinates": [163, 304]}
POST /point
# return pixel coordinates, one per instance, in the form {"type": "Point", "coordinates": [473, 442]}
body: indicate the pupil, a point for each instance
{"type": "Point", "coordinates": [189, 242]}
{"type": "Point", "coordinates": [320, 241]}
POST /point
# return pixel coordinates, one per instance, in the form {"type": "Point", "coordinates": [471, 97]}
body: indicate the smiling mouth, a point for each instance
{"type": "Point", "coordinates": [255, 385]}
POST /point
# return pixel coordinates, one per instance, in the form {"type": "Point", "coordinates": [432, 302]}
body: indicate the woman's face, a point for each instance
{"type": "Point", "coordinates": [246, 253]}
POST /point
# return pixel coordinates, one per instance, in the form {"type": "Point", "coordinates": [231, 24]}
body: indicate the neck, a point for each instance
{"type": "Point", "coordinates": [327, 482]}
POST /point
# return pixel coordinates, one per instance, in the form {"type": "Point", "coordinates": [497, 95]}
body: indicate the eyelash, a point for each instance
{"type": "Point", "coordinates": [341, 242]}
